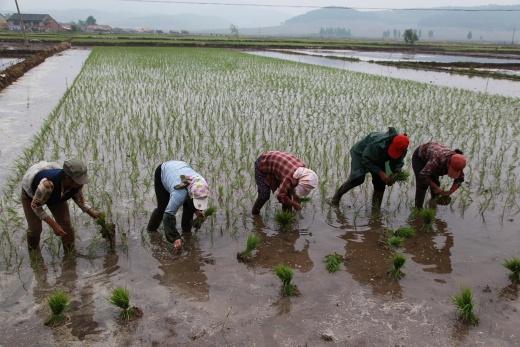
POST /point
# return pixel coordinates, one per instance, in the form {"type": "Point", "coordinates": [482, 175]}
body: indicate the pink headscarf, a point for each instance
{"type": "Point", "coordinates": [307, 181]}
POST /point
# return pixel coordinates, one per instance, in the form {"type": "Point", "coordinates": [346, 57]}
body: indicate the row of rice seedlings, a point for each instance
{"type": "Point", "coordinates": [128, 100]}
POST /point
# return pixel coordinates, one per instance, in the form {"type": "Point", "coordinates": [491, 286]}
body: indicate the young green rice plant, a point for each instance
{"type": "Point", "coordinates": [426, 215]}
{"type": "Point", "coordinates": [58, 302]}
{"type": "Point", "coordinates": [251, 243]}
{"type": "Point", "coordinates": [197, 223]}
{"type": "Point", "coordinates": [285, 274]}
{"type": "Point", "coordinates": [304, 200]}
{"type": "Point", "coordinates": [398, 261]}
{"type": "Point", "coordinates": [404, 232]}
{"type": "Point", "coordinates": [120, 297]}
{"type": "Point", "coordinates": [395, 241]}
{"type": "Point", "coordinates": [513, 265]}
{"type": "Point", "coordinates": [285, 219]}
{"type": "Point", "coordinates": [401, 176]}
{"type": "Point", "coordinates": [107, 230]}
{"type": "Point", "coordinates": [464, 305]}
{"type": "Point", "coordinates": [443, 200]}
{"type": "Point", "coordinates": [333, 262]}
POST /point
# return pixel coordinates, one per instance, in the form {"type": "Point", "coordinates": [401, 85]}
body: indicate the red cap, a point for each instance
{"type": "Point", "coordinates": [398, 145]}
{"type": "Point", "coordinates": [456, 164]}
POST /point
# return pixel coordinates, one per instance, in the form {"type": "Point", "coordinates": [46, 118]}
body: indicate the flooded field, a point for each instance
{"type": "Point", "coordinates": [26, 103]}
{"type": "Point", "coordinates": [132, 108]}
{"type": "Point", "coordinates": [406, 56]}
{"type": "Point", "coordinates": [476, 84]}
{"type": "Point", "coordinates": [6, 62]}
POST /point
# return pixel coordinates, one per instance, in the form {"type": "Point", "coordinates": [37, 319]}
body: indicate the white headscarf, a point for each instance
{"type": "Point", "coordinates": [307, 181]}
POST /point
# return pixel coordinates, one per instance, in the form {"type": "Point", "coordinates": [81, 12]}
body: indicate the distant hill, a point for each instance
{"type": "Point", "coordinates": [431, 25]}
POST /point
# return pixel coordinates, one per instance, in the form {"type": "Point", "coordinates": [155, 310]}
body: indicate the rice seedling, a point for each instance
{"type": "Point", "coordinates": [426, 215]}
{"type": "Point", "coordinates": [464, 305]}
{"type": "Point", "coordinates": [251, 243]}
{"type": "Point", "coordinates": [398, 261]}
{"type": "Point", "coordinates": [333, 262]}
{"type": "Point", "coordinates": [443, 200]}
{"type": "Point", "coordinates": [285, 219]}
{"type": "Point", "coordinates": [58, 302]}
{"type": "Point", "coordinates": [401, 176]}
{"type": "Point", "coordinates": [513, 265]}
{"type": "Point", "coordinates": [285, 274]}
{"type": "Point", "coordinates": [197, 223]}
{"type": "Point", "coordinates": [404, 232]}
{"type": "Point", "coordinates": [395, 241]}
{"type": "Point", "coordinates": [305, 200]}
{"type": "Point", "coordinates": [120, 297]}
{"type": "Point", "coordinates": [107, 230]}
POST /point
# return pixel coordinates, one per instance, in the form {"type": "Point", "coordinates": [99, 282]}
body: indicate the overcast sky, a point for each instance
{"type": "Point", "coordinates": [149, 8]}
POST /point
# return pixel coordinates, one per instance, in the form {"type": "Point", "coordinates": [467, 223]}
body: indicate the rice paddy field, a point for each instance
{"type": "Point", "coordinates": [132, 108]}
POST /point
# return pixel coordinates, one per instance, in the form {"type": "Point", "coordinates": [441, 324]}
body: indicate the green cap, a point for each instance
{"type": "Point", "coordinates": [76, 170]}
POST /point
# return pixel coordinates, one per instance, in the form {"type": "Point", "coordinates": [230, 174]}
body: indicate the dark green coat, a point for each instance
{"type": "Point", "coordinates": [370, 154]}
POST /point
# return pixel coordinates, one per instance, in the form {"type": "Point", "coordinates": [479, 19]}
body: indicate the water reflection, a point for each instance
{"type": "Point", "coordinates": [280, 248]}
{"type": "Point", "coordinates": [365, 259]}
{"type": "Point", "coordinates": [185, 272]}
{"type": "Point", "coordinates": [432, 249]}
{"type": "Point", "coordinates": [81, 311]}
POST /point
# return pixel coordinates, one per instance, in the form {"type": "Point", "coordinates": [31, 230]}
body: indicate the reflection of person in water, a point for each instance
{"type": "Point", "coordinates": [184, 272]}
{"type": "Point", "coordinates": [280, 248]}
{"type": "Point", "coordinates": [82, 312]}
{"type": "Point", "coordinates": [425, 251]}
{"type": "Point", "coordinates": [365, 259]}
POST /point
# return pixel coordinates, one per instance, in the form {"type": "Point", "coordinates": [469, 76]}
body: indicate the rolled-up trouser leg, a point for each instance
{"type": "Point", "coordinates": [264, 191]}
{"type": "Point", "coordinates": [421, 186]}
{"type": "Point", "coordinates": [170, 229]}
{"type": "Point", "coordinates": [162, 196]}
{"type": "Point", "coordinates": [345, 187]}
{"type": "Point", "coordinates": [61, 215]}
{"type": "Point", "coordinates": [34, 223]}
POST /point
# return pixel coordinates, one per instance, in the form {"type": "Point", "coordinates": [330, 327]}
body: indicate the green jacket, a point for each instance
{"type": "Point", "coordinates": [370, 154]}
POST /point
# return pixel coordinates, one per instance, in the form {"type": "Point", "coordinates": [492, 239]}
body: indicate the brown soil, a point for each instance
{"type": "Point", "coordinates": [16, 71]}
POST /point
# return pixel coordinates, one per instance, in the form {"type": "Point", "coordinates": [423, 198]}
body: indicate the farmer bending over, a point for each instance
{"type": "Point", "coordinates": [282, 171]}
{"type": "Point", "coordinates": [371, 155]}
{"type": "Point", "coordinates": [176, 185]}
{"type": "Point", "coordinates": [47, 183]}
{"type": "Point", "coordinates": [432, 160]}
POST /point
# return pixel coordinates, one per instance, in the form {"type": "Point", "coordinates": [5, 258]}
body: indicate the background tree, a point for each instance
{"type": "Point", "coordinates": [234, 29]}
{"type": "Point", "coordinates": [430, 34]}
{"type": "Point", "coordinates": [470, 35]}
{"type": "Point", "coordinates": [410, 36]}
{"type": "Point", "coordinates": [90, 20]}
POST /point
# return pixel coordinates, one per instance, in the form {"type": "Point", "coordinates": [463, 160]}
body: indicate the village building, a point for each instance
{"type": "Point", "coordinates": [33, 22]}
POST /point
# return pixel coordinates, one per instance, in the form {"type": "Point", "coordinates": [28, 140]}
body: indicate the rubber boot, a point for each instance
{"type": "Point", "coordinates": [155, 220]}
{"type": "Point", "coordinates": [345, 187]}
{"type": "Point", "coordinates": [170, 229]}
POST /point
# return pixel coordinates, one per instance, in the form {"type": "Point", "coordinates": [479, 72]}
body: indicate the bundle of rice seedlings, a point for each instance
{"type": "Point", "coordinates": [120, 297]}
{"type": "Point", "coordinates": [333, 262]}
{"type": "Point", "coordinates": [58, 302]}
{"type": "Point", "coordinates": [401, 176]}
{"type": "Point", "coordinates": [398, 261]}
{"type": "Point", "coordinates": [285, 274]}
{"type": "Point", "coordinates": [464, 304]}
{"type": "Point", "coordinates": [404, 232]}
{"type": "Point", "coordinates": [395, 241]}
{"type": "Point", "coordinates": [285, 219]}
{"type": "Point", "coordinates": [251, 243]}
{"type": "Point", "coordinates": [513, 265]}
{"type": "Point", "coordinates": [107, 230]}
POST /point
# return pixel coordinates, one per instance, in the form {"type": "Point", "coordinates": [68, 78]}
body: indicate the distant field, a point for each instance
{"type": "Point", "coordinates": [254, 42]}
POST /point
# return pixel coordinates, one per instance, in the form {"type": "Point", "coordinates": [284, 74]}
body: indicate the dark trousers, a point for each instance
{"type": "Point", "coordinates": [163, 197]}
{"type": "Point", "coordinates": [421, 184]}
{"type": "Point", "coordinates": [264, 190]}
{"type": "Point", "coordinates": [61, 215]}
{"type": "Point", "coordinates": [379, 187]}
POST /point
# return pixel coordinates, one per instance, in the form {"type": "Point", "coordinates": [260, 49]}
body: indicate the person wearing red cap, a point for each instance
{"type": "Point", "coordinates": [432, 160]}
{"type": "Point", "coordinates": [371, 155]}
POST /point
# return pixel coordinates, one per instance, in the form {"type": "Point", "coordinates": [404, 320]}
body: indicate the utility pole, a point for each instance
{"type": "Point", "coordinates": [21, 23]}
{"type": "Point", "coordinates": [513, 39]}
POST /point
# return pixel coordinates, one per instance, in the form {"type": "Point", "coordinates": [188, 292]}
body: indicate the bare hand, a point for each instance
{"type": "Point", "coordinates": [95, 214]}
{"type": "Point", "coordinates": [385, 178]}
{"type": "Point", "coordinates": [177, 245]}
{"type": "Point", "coordinates": [297, 206]}
{"type": "Point", "coordinates": [58, 230]}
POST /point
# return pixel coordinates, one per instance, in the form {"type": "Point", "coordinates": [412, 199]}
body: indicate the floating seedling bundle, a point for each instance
{"type": "Point", "coordinates": [251, 243]}
{"type": "Point", "coordinates": [120, 297]}
{"type": "Point", "coordinates": [464, 305]}
{"type": "Point", "coordinates": [513, 265]}
{"type": "Point", "coordinates": [398, 261]}
{"type": "Point", "coordinates": [285, 274]}
{"type": "Point", "coordinates": [285, 219]}
{"type": "Point", "coordinates": [333, 262]}
{"type": "Point", "coordinates": [58, 303]}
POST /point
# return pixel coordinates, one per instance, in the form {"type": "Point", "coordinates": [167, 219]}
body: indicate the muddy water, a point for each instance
{"type": "Point", "coordinates": [26, 103]}
{"type": "Point", "coordinates": [206, 297]}
{"type": "Point", "coordinates": [409, 57]}
{"type": "Point", "coordinates": [476, 84]}
{"type": "Point", "coordinates": [6, 62]}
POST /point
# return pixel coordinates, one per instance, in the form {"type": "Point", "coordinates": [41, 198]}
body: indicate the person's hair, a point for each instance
{"type": "Point", "coordinates": [458, 151]}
